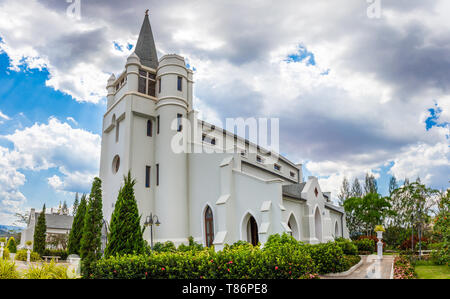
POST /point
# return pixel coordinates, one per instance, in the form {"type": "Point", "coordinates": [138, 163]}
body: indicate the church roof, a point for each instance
{"type": "Point", "coordinates": [57, 221]}
{"type": "Point", "coordinates": [145, 46]}
{"type": "Point", "coordinates": [294, 190]}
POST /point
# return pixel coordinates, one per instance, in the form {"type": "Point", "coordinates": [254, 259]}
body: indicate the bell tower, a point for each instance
{"type": "Point", "coordinates": [146, 106]}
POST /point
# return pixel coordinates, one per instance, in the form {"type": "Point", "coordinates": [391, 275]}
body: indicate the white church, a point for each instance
{"type": "Point", "coordinates": [221, 188]}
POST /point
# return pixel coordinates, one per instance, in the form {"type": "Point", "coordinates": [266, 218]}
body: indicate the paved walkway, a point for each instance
{"type": "Point", "coordinates": [372, 268]}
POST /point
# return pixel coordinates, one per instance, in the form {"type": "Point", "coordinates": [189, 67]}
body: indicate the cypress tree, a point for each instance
{"type": "Point", "coordinates": [40, 233]}
{"type": "Point", "coordinates": [90, 250]}
{"type": "Point", "coordinates": [77, 227]}
{"type": "Point", "coordinates": [125, 236]}
{"type": "Point", "coordinates": [12, 246]}
{"type": "Point", "coordinates": [76, 203]}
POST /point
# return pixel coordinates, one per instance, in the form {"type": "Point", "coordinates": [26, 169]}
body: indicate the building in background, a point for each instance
{"type": "Point", "coordinates": [59, 224]}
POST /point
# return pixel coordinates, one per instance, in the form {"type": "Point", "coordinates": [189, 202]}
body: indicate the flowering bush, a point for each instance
{"type": "Point", "coordinates": [283, 258]}
{"type": "Point", "coordinates": [328, 257]}
{"type": "Point", "coordinates": [403, 268]}
{"type": "Point", "coordinates": [406, 245]}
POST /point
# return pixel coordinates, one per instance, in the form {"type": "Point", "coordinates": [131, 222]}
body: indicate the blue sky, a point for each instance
{"type": "Point", "coordinates": [353, 94]}
{"type": "Point", "coordinates": [26, 100]}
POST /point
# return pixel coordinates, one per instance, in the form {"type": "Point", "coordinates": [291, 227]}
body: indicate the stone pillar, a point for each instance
{"type": "Point", "coordinates": [380, 245]}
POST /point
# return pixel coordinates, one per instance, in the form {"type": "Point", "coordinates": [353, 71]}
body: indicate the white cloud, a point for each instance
{"type": "Point", "coordinates": [429, 162]}
{"type": "Point", "coordinates": [75, 153]}
{"type": "Point", "coordinates": [4, 116]}
{"type": "Point", "coordinates": [384, 74]}
{"type": "Point", "coordinates": [11, 199]}
{"type": "Point", "coordinates": [71, 119]}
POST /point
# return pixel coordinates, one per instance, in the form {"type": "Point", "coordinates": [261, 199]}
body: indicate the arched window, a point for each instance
{"type": "Point", "coordinates": [149, 128]}
{"type": "Point", "coordinates": [318, 225]}
{"type": "Point", "coordinates": [209, 227]}
{"type": "Point", "coordinates": [116, 164]}
{"type": "Point", "coordinates": [252, 229]}
{"type": "Point", "coordinates": [292, 223]}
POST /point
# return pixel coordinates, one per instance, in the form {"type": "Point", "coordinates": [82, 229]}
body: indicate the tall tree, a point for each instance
{"type": "Point", "coordinates": [414, 204]}
{"type": "Point", "coordinates": [356, 189]}
{"type": "Point", "coordinates": [393, 200]}
{"type": "Point", "coordinates": [345, 191]}
{"type": "Point", "coordinates": [370, 185]}
{"type": "Point", "coordinates": [393, 185]}
{"type": "Point", "coordinates": [76, 203]}
{"type": "Point", "coordinates": [90, 250]}
{"type": "Point", "coordinates": [125, 236]}
{"type": "Point", "coordinates": [40, 233]}
{"type": "Point", "coordinates": [367, 212]}
{"type": "Point", "coordinates": [77, 227]}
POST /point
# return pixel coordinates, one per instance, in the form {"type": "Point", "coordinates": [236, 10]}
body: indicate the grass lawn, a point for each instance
{"type": "Point", "coordinates": [428, 270]}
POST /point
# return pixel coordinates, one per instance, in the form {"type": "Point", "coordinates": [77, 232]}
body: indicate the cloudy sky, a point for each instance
{"type": "Point", "coordinates": [356, 89]}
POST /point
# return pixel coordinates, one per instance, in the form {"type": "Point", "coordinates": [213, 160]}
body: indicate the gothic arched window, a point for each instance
{"type": "Point", "coordinates": [209, 227]}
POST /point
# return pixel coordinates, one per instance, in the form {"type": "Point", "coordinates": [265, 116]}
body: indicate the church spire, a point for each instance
{"type": "Point", "coordinates": [145, 46]}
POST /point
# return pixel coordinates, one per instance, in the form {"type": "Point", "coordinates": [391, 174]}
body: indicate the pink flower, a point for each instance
{"type": "Point", "coordinates": [145, 273]}
{"type": "Point", "coordinates": [276, 267]}
{"type": "Point", "coordinates": [229, 270]}
{"type": "Point", "coordinates": [163, 268]}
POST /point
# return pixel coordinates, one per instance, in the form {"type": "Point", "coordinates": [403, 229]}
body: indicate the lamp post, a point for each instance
{"type": "Point", "coordinates": [150, 221]}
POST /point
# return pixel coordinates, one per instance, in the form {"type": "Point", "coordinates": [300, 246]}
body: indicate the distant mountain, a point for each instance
{"type": "Point", "coordinates": [7, 229]}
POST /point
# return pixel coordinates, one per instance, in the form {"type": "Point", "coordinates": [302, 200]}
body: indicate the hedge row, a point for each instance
{"type": "Point", "coordinates": [281, 258]}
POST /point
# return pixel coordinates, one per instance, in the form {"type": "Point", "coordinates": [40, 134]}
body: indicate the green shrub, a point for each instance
{"type": "Point", "coordinates": [167, 246]}
{"type": "Point", "coordinates": [365, 245]}
{"type": "Point", "coordinates": [350, 261]}
{"type": "Point", "coordinates": [46, 271]}
{"type": "Point", "coordinates": [6, 253]}
{"type": "Point", "coordinates": [12, 246]}
{"type": "Point", "coordinates": [193, 246]}
{"type": "Point", "coordinates": [21, 255]}
{"type": "Point", "coordinates": [328, 257]}
{"type": "Point", "coordinates": [280, 259]}
{"type": "Point", "coordinates": [441, 256]}
{"type": "Point", "coordinates": [8, 270]}
{"type": "Point", "coordinates": [347, 246]}
{"type": "Point", "coordinates": [56, 252]}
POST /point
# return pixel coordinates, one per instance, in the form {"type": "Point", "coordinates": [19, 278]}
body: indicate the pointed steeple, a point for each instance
{"type": "Point", "coordinates": [145, 46]}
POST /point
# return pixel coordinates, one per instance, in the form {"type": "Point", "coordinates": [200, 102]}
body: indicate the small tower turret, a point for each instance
{"type": "Point", "coordinates": [111, 91]}
{"type": "Point", "coordinates": [172, 202]}
{"type": "Point", "coordinates": [132, 69]}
